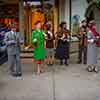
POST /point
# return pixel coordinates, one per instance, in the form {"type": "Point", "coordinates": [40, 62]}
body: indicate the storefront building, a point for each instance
{"type": "Point", "coordinates": [27, 12]}
{"type": "Point", "coordinates": [60, 10]}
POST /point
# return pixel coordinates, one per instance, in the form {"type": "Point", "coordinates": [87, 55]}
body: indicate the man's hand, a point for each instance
{"type": "Point", "coordinates": [11, 42]}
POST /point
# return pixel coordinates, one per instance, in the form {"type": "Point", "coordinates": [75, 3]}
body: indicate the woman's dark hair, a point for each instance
{"type": "Point", "coordinates": [85, 25]}
{"type": "Point", "coordinates": [62, 24]}
{"type": "Point", "coordinates": [49, 27]}
{"type": "Point", "coordinates": [83, 21]}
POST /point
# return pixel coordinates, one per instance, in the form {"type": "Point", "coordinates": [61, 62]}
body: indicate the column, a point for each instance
{"type": "Point", "coordinates": [26, 25]}
{"type": "Point", "coordinates": [61, 10]}
{"type": "Point", "coordinates": [21, 17]}
{"type": "Point", "coordinates": [30, 25]}
{"type": "Point", "coordinates": [56, 21]}
{"type": "Point", "coordinates": [64, 8]}
{"type": "Point", "coordinates": [67, 12]}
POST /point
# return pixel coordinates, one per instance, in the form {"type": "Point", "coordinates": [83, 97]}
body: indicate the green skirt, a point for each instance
{"type": "Point", "coordinates": [39, 54]}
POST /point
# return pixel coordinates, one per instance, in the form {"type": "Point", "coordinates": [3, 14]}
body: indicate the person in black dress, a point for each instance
{"type": "Point", "coordinates": [62, 40]}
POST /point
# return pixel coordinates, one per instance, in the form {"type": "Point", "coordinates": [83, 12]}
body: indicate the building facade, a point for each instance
{"type": "Point", "coordinates": [60, 10]}
{"type": "Point", "coordinates": [66, 13]}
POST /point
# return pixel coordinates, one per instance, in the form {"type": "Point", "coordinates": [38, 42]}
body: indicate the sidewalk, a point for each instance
{"type": "Point", "coordinates": [70, 83]}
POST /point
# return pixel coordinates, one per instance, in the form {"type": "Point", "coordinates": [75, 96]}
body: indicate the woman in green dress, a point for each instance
{"type": "Point", "coordinates": [38, 44]}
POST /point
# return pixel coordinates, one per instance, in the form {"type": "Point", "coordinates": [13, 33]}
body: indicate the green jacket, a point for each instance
{"type": "Point", "coordinates": [38, 43]}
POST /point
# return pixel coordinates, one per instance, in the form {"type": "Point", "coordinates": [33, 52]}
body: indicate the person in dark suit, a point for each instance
{"type": "Point", "coordinates": [82, 36]}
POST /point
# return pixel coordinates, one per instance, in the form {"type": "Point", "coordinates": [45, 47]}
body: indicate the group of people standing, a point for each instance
{"type": "Point", "coordinates": [49, 46]}
{"type": "Point", "coordinates": [88, 41]}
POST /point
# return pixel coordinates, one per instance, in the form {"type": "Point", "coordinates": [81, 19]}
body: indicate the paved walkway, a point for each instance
{"type": "Point", "coordinates": [61, 82]}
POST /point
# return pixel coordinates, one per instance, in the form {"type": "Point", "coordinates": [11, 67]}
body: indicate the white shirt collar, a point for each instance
{"type": "Point", "coordinates": [13, 32]}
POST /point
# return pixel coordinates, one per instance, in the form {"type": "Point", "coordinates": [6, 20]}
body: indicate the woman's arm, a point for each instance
{"type": "Point", "coordinates": [34, 39]}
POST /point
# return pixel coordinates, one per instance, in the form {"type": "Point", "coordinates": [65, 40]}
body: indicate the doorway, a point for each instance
{"type": "Point", "coordinates": [36, 12]}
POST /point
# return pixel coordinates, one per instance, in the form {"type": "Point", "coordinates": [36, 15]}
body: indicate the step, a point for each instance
{"type": "Point", "coordinates": [27, 61]}
{"type": "Point", "coordinates": [27, 51]}
{"type": "Point", "coordinates": [26, 55]}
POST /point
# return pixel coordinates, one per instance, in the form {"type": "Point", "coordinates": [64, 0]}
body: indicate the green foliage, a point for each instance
{"type": "Point", "coordinates": [93, 4]}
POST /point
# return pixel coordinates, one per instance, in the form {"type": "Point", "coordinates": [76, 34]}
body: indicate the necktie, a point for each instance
{"type": "Point", "coordinates": [14, 35]}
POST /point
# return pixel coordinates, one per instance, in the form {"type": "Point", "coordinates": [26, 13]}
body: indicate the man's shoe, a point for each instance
{"type": "Point", "coordinates": [96, 69]}
{"type": "Point", "coordinates": [14, 74]}
{"type": "Point", "coordinates": [90, 68]}
{"type": "Point", "coordinates": [79, 62]}
{"type": "Point", "coordinates": [19, 75]}
{"type": "Point", "coordinates": [66, 64]}
{"type": "Point", "coordinates": [19, 78]}
{"type": "Point", "coordinates": [61, 62]}
{"type": "Point", "coordinates": [85, 63]}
